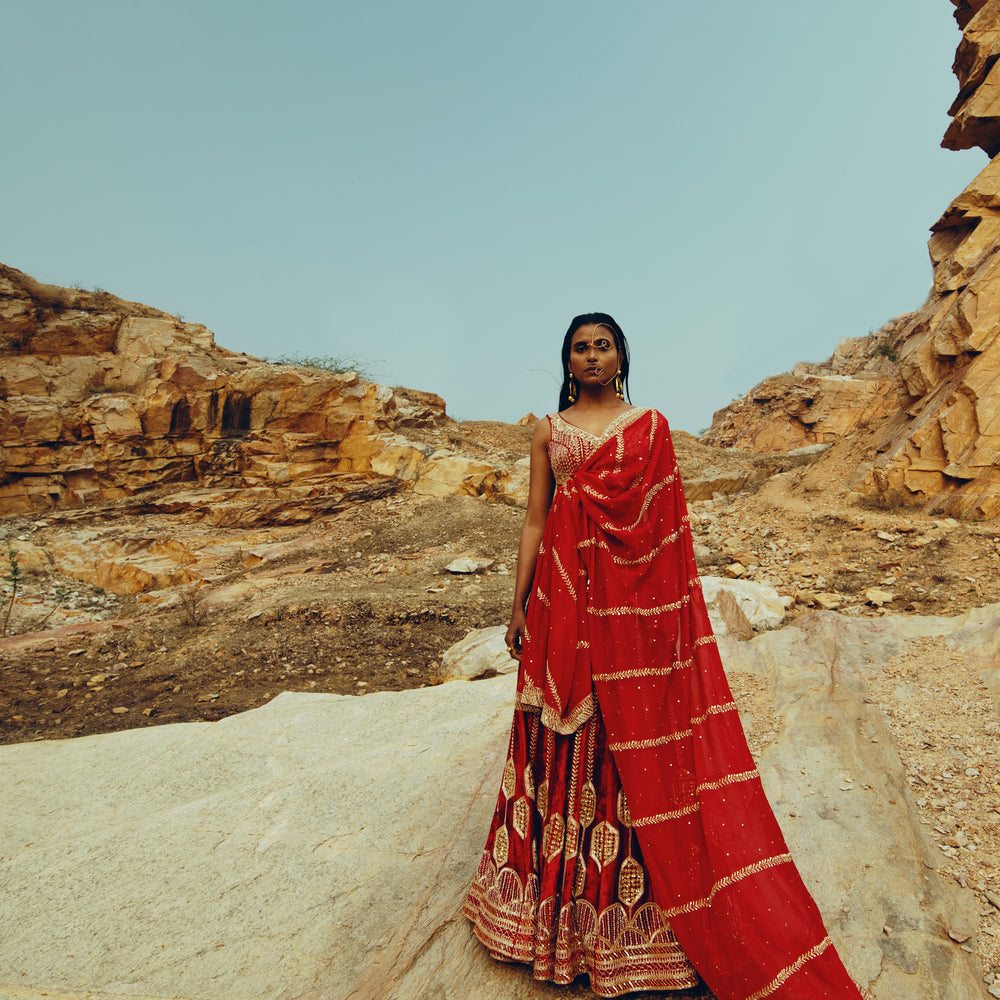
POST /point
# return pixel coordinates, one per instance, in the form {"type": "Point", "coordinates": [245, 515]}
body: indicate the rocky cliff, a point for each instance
{"type": "Point", "coordinates": [102, 399]}
{"type": "Point", "coordinates": [923, 421]}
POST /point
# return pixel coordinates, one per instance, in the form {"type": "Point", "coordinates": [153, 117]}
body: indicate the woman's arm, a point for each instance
{"type": "Point", "coordinates": [541, 487]}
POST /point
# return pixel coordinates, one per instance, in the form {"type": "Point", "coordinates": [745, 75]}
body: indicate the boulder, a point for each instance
{"type": "Point", "coordinates": [321, 846]}
{"type": "Point", "coordinates": [482, 652]}
{"type": "Point", "coordinates": [760, 605]}
{"type": "Point", "coordinates": [837, 786]}
{"type": "Point", "coordinates": [466, 565]}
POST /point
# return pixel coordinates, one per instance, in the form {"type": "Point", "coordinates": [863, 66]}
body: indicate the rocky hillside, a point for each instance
{"type": "Point", "coordinates": [102, 399]}
{"type": "Point", "coordinates": [915, 409]}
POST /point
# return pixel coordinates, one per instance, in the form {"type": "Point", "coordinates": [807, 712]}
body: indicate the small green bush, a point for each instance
{"type": "Point", "coordinates": [885, 350]}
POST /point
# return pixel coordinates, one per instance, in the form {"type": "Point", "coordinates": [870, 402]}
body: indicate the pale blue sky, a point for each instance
{"type": "Point", "coordinates": [439, 187]}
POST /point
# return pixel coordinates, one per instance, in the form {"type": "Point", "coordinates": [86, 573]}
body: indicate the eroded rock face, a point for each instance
{"type": "Point", "coordinates": [923, 426]}
{"type": "Point", "coordinates": [104, 398]}
{"type": "Point", "coordinates": [815, 404]}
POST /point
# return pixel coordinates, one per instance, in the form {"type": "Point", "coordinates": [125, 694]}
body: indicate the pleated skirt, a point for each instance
{"type": "Point", "coordinates": [561, 885]}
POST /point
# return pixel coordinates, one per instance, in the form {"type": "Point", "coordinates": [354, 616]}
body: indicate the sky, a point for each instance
{"type": "Point", "coordinates": [436, 189]}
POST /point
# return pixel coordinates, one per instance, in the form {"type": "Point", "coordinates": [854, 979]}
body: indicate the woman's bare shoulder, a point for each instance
{"type": "Point", "coordinates": [542, 433]}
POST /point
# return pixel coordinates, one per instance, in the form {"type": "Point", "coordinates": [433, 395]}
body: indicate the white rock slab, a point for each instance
{"type": "Point", "coordinates": [319, 848]}
{"type": "Point", "coordinates": [761, 604]}
{"type": "Point", "coordinates": [838, 788]}
{"type": "Point", "coordinates": [481, 651]}
{"type": "Point", "coordinates": [316, 847]}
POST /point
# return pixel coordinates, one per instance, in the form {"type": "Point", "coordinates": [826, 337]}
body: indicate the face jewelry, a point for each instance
{"type": "Point", "coordinates": [616, 378]}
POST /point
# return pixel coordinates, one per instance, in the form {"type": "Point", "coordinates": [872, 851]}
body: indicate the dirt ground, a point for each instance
{"type": "Point", "coordinates": [361, 601]}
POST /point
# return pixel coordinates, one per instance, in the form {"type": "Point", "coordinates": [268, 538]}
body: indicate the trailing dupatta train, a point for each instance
{"type": "Point", "coordinates": [617, 613]}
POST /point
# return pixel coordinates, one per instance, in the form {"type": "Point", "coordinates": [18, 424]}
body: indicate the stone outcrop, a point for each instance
{"type": "Point", "coordinates": [321, 846]}
{"type": "Point", "coordinates": [815, 404]}
{"type": "Point", "coordinates": [925, 429]}
{"type": "Point", "coordinates": [102, 399]}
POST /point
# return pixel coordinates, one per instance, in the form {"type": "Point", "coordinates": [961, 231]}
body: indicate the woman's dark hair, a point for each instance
{"type": "Point", "coordinates": [597, 319]}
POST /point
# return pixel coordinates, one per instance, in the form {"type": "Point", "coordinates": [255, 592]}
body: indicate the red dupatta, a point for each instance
{"type": "Point", "coordinates": [617, 615]}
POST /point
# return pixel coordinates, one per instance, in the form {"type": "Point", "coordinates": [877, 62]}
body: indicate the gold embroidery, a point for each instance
{"type": "Point", "coordinates": [650, 556]}
{"type": "Point", "coordinates": [572, 848]}
{"type": "Point", "coordinates": [553, 837]}
{"type": "Point", "coordinates": [659, 741]}
{"type": "Point", "coordinates": [529, 782]}
{"type": "Point", "coordinates": [577, 717]}
{"type": "Point", "coordinates": [624, 675]}
{"type": "Point", "coordinates": [730, 706]}
{"type": "Point", "coordinates": [650, 496]}
{"type": "Point", "coordinates": [604, 844]}
{"type": "Point", "coordinates": [790, 970]}
{"type": "Point", "coordinates": [661, 609]}
{"type": "Point", "coordinates": [580, 879]}
{"type": "Point", "coordinates": [656, 741]}
{"type": "Point", "coordinates": [705, 640]}
{"type": "Point", "coordinates": [564, 574]}
{"type": "Point", "coordinates": [619, 422]}
{"type": "Point", "coordinates": [630, 882]}
{"type": "Point", "coordinates": [591, 492]}
{"type": "Point", "coordinates": [501, 847]}
{"type": "Point", "coordinates": [623, 814]}
{"type": "Point", "coordinates": [543, 798]}
{"type": "Point", "coordinates": [664, 817]}
{"type": "Point", "coordinates": [522, 812]}
{"type": "Point", "coordinates": [737, 876]}
{"type": "Point", "coordinates": [730, 779]}
{"type": "Point", "coordinates": [621, 951]}
{"type": "Point", "coordinates": [639, 560]}
{"type": "Point", "coordinates": [509, 780]}
{"type": "Point", "coordinates": [588, 803]}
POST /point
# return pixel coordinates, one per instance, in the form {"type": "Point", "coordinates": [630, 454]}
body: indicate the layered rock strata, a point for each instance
{"type": "Point", "coordinates": [103, 399]}
{"type": "Point", "coordinates": [815, 404]}
{"type": "Point", "coordinates": [927, 433]}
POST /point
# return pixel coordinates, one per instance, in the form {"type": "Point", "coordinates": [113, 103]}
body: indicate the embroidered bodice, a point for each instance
{"type": "Point", "coordinates": [570, 446]}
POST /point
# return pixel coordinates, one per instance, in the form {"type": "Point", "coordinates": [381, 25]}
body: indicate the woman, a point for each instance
{"type": "Point", "coordinates": [632, 840]}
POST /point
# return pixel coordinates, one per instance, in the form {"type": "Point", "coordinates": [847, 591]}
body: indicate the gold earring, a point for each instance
{"type": "Point", "coordinates": [619, 388]}
{"type": "Point", "coordinates": [571, 392]}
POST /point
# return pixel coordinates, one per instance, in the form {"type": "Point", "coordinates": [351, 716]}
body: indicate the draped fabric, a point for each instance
{"type": "Point", "coordinates": [617, 629]}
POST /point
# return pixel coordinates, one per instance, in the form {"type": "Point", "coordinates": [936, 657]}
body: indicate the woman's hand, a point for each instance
{"type": "Point", "coordinates": [515, 634]}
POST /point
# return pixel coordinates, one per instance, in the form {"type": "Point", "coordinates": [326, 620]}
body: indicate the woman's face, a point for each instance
{"type": "Point", "coordinates": [593, 356]}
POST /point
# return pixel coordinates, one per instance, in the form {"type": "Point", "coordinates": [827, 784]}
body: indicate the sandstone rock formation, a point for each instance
{"type": "Point", "coordinates": [815, 404]}
{"type": "Point", "coordinates": [102, 399]}
{"type": "Point", "coordinates": [321, 846]}
{"type": "Point", "coordinates": [927, 433]}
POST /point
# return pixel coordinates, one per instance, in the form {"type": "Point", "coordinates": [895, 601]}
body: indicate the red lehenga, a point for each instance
{"type": "Point", "coordinates": [632, 839]}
